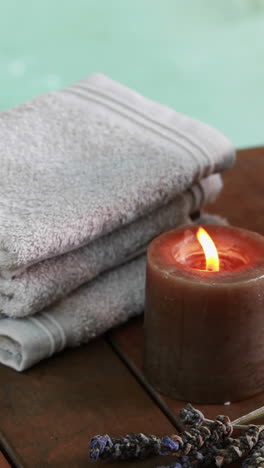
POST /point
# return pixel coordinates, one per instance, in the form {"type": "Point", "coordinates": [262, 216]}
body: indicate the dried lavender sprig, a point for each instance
{"type": "Point", "coordinates": [128, 447]}
{"type": "Point", "coordinates": [238, 423]}
{"type": "Point", "coordinates": [237, 448]}
{"type": "Point", "coordinates": [141, 445]}
{"type": "Point", "coordinates": [197, 437]}
{"type": "Point", "coordinates": [132, 446]}
{"type": "Point", "coordinates": [256, 414]}
{"type": "Point", "coordinates": [191, 416]}
{"type": "Point", "coordinates": [255, 459]}
{"type": "Point", "coordinates": [187, 461]}
{"type": "Point", "coordinates": [206, 455]}
{"type": "Point", "coordinates": [227, 451]}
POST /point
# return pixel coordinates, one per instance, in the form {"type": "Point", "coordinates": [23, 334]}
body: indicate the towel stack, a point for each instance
{"type": "Point", "coordinates": [90, 175]}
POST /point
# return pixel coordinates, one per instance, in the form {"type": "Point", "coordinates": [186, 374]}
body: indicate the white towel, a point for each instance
{"type": "Point", "coordinates": [80, 163]}
{"type": "Point", "coordinates": [94, 308]}
{"type": "Point", "coordinates": [90, 175]}
{"type": "Point", "coordinates": [45, 282]}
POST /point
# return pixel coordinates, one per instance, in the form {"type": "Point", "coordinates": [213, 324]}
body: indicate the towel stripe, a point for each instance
{"type": "Point", "coordinates": [59, 328]}
{"type": "Point", "coordinates": [148, 118]}
{"type": "Point", "coordinates": [39, 324]}
{"type": "Point", "coordinates": [202, 171]}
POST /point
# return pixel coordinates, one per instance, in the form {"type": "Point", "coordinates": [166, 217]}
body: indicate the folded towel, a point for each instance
{"type": "Point", "coordinates": [95, 307]}
{"type": "Point", "coordinates": [90, 175]}
{"type": "Point", "coordinates": [47, 281]}
{"type": "Point", "coordinates": [88, 312]}
{"type": "Point", "coordinates": [81, 163]}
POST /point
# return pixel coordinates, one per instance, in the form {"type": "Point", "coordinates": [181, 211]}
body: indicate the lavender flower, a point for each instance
{"type": "Point", "coordinates": [168, 445]}
{"type": "Point", "coordinates": [128, 447]}
{"type": "Point", "coordinates": [141, 445]}
{"type": "Point", "coordinates": [201, 444]}
{"type": "Point", "coordinates": [237, 448]}
{"type": "Point", "coordinates": [255, 459]}
{"type": "Point", "coordinates": [191, 416]}
{"type": "Point", "coordinates": [100, 445]}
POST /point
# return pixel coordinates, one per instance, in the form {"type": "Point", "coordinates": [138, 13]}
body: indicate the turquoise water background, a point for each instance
{"type": "Point", "coordinates": [204, 58]}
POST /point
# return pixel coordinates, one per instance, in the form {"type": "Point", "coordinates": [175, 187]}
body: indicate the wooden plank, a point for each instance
{"type": "Point", "coordinates": [242, 199]}
{"type": "Point", "coordinates": [3, 461]}
{"type": "Point", "coordinates": [242, 203]}
{"type": "Point", "coordinates": [132, 334]}
{"type": "Point", "coordinates": [50, 412]}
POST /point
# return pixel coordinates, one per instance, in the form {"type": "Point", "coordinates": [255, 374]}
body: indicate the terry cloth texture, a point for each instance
{"type": "Point", "coordinates": [90, 175]}
{"type": "Point", "coordinates": [45, 282]}
{"type": "Point", "coordinates": [92, 309]}
{"type": "Point", "coordinates": [79, 163]}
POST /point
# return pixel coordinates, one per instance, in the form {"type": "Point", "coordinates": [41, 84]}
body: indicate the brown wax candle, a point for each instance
{"type": "Point", "coordinates": [204, 329]}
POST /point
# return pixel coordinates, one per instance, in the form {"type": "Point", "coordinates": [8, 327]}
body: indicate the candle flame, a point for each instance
{"type": "Point", "coordinates": [210, 250]}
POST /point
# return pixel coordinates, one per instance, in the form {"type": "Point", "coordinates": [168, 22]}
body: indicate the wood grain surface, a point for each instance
{"type": "Point", "coordinates": [242, 203]}
{"type": "Point", "coordinates": [242, 199]}
{"type": "Point", "coordinates": [49, 412]}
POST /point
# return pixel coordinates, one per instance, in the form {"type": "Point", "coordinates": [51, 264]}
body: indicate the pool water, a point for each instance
{"type": "Point", "coordinates": [204, 58]}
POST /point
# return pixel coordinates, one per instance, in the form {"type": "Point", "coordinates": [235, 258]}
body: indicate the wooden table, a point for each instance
{"type": "Point", "coordinates": [49, 413]}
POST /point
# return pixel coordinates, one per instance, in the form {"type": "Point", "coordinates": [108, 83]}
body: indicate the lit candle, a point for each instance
{"type": "Point", "coordinates": [204, 314]}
